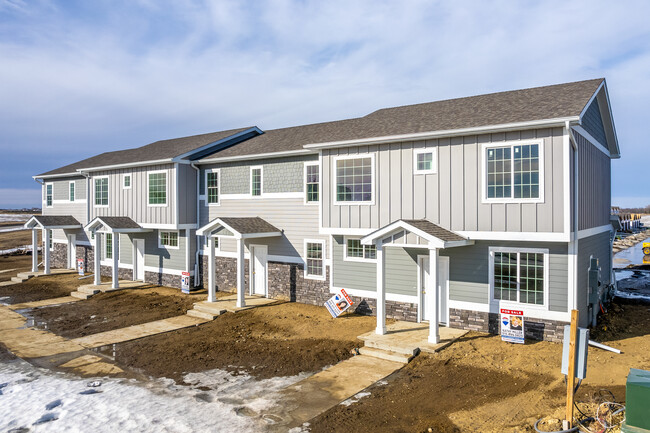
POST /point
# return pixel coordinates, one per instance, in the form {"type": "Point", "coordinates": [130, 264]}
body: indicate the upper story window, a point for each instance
{"type": "Point", "coordinates": [519, 275]}
{"type": "Point", "coordinates": [157, 188]}
{"type": "Point", "coordinates": [71, 190]}
{"type": "Point", "coordinates": [212, 186]}
{"type": "Point", "coordinates": [314, 258]}
{"type": "Point", "coordinates": [425, 161]}
{"type": "Point", "coordinates": [168, 239]}
{"type": "Point", "coordinates": [101, 191]}
{"type": "Point", "coordinates": [126, 181]}
{"type": "Point", "coordinates": [354, 179]}
{"type": "Point", "coordinates": [312, 181]}
{"type": "Point", "coordinates": [48, 195]}
{"type": "Point", "coordinates": [513, 172]}
{"type": "Point", "coordinates": [256, 181]}
{"type": "Point", "coordinates": [354, 250]}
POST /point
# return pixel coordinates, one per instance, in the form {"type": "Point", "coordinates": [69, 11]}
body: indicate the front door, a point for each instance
{"type": "Point", "coordinates": [138, 247]}
{"type": "Point", "coordinates": [259, 269]}
{"type": "Point", "coordinates": [72, 251]}
{"type": "Point", "coordinates": [443, 286]}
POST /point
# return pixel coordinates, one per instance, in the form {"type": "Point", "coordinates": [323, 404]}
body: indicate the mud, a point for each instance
{"type": "Point", "coordinates": [43, 287]}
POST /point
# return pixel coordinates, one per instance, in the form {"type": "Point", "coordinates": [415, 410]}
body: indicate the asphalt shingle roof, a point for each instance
{"type": "Point", "coordinates": [117, 223]}
{"type": "Point", "coordinates": [246, 225]}
{"type": "Point", "coordinates": [435, 230]}
{"type": "Point", "coordinates": [56, 220]}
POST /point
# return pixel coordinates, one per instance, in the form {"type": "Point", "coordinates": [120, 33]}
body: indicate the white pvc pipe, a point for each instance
{"type": "Point", "coordinates": [602, 346]}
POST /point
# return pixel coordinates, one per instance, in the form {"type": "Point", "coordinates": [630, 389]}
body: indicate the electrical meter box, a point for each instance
{"type": "Point", "coordinates": [637, 402]}
{"type": "Point", "coordinates": [582, 342]}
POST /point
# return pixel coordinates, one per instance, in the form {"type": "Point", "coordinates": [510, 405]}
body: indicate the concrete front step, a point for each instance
{"type": "Point", "coordinates": [409, 350]}
{"type": "Point", "coordinates": [18, 279]}
{"type": "Point", "coordinates": [24, 275]}
{"type": "Point", "coordinates": [201, 314]}
{"type": "Point", "coordinates": [80, 295]}
{"type": "Point", "coordinates": [90, 290]}
{"type": "Point", "coordinates": [386, 354]}
{"type": "Point", "coordinates": [215, 310]}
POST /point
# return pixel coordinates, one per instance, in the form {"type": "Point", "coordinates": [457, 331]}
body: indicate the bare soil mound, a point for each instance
{"type": "Point", "coordinates": [43, 287]}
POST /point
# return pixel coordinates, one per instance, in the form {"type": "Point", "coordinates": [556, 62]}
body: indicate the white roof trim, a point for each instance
{"type": "Point", "coordinates": [33, 222]}
{"type": "Point", "coordinates": [400, 225]}
{"type": "Point", "coordinates": [254, 156]}
{"type": "Point", "coordinates": [126, 165]}
{"type": "Point", "coordinates": [207, 230]}
{"type": "Point", "coordinates": [97, 221]}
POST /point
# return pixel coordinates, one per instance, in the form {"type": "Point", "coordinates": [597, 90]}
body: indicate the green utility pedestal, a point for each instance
{"type": "Point", "coordinates": [637, 402]}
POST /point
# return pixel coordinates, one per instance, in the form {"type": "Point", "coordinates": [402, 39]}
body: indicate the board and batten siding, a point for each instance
{"type": "Point", "coordinates": [594, 177]}
{"type": "Point", "coordinates": [599, 247]}
{"type": "Point", "coordinates": [187, 194]}
{"type": "Point", "coordinates": [132, 202]}
{"type": "Point", "coordinates": [62, 205]}
{"type": "Point", "coordinates": [452, 197]}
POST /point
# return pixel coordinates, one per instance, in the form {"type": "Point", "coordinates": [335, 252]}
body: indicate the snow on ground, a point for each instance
{"type": "Point", "coordinates": [39, 400]}
{"type": "Point", "coordinates": [23, 249]}
{"type": "Point", "coordinates": [18, 217]}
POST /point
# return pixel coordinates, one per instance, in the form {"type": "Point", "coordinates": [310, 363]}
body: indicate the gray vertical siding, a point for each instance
{"type": "Point", "coordinates": [77, 208]}
{"type": "Point", "coordinates": [599, 247]}
{"type": "Point", "coordinates": [187, 194]}
{"type": "Point", "coordinates": [593, 122]}
{"type": "Point", "coordinates": [452, 197]}
{"type": "Point", "coordinates": [594, 172]}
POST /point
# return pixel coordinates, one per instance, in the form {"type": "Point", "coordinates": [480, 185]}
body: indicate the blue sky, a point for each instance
{"type": "Point", "coordinates": [79, 78]}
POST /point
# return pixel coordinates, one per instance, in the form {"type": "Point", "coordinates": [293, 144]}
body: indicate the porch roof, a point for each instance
{"type": "Point", "coordinates": [51, 222]}
{"type": "Point", "coordinates": [115, 225]}
{"type": "Point", "coordinates": [436, 236]}
{"type": "Point", "coordinates": [240, 227]}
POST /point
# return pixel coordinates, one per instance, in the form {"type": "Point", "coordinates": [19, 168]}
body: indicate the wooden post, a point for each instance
{"type": "Point", "coordinates": [571, 380]}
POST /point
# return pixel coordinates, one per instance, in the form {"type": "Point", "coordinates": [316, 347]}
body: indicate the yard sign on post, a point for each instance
{"type": "Point", "coordinates": [338, 303]}
{"type": "Point", "coordinates": [185, 282]}
{"type": "Point", "coordinates": [512, 326]}
{"type": "Point", "coordinates": [80, 266]}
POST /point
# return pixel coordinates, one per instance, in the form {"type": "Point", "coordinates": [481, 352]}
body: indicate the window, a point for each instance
{"type": "Point", "coordinates": [425, 161]}
{"type": "Point", "coordinates": [513, 172]}
{"type": "Point", "coordinates": [71, 190]}
{"type": "Point", "coordinates": [158, 188]}
{"type": "Point", "coordinates": [168, 240]}
{"type": "Point", "coordinates": [48, 195]}
{"type": "Point", "coordinates": [101, 191]}
{"type": "Point", "coordinates": [314, 256]}
{"type": "Point", "coordinates": [108, 237]}
{"type": "Point", "coordinates": [354, 178]}
{"type": "Point", "coordinates": [312, 180]}
{"type": "Point", "coordinates": [519, 275]}
{"type": "Point", "coordinates": [256, 181]}
{"type": "Point", "coordinates": [356, 251]}
{"type": "Point", "coordinates": [212, 186]}
{"type": "Point", "coordinates": [126, 181]}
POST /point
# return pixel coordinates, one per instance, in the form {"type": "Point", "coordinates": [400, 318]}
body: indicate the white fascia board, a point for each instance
{"type": "Point", "coordinates": [126, 165]}
{"type": "Point", "coordinates": [168, 226]}
{"type": "Point", "coordinates": [617, 154]}
{"type": "Point", "coordinates": [216, 143]}
{"type": "Point", "coordinates": [594, 96]}
{"type": "Point", "coordinates": [446, 133]}
{"type": "Point", "coordinates": [255, 156]}
{"type": "Point", "coordinates": [590, 138]}
{"type": "Point", "coordinates": [261, 235]}
{"type": "Point", "coordinates": [516, 236]}
{"type": "Point", "coordinates": [52, 176]}
{"type": "Point", "coordinates": [594, 231]}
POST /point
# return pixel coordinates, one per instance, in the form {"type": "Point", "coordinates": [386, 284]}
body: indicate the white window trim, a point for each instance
{"type": "Point", "coordinates": [310, 276]}
{"type": "Point", "coordinates": [105, 246]}
{"type": "Point", "coordinates": [261, 168]}
{"type": "Point", "coordinates": [355, 259]}
{"type": "Point", "coordinates": [212, 170]}
{"type": "Point", "coordinates": [434, 160]}
{"type": "Point", "coordinates": [320, 192]}
{"type": "Point", "coordinates": [373, 191]}
{"type": "Point", "coordinates": [497, 303]}
{"type": "Point", "coordinates": [166, 188]}
{"type": "Point", "coordinates": [130, 181]}
{"type": "Point", "coordinates": [45, 201]}
{"type": "Point", "coordinates": [74, 194]}
{"type": "Point", "coordinates": [168, 247]}
{"type": "Point", "coordinates": [108, 192]}
{"type": "Point", "coordinates": [486, 146]}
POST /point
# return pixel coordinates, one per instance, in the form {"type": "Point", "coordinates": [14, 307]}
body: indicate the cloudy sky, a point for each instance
{"type": "Point", "coordinates": [79, 78]}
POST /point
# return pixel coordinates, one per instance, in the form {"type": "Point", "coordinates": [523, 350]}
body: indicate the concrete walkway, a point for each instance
{"type": "Point", "coordinates": [43, 303]}
{"type": "Point", "coordinates": [24, 276]}
{"type": "Point", "coordinates": [209, 310]}
{"type": "Point", "coordinates": [407, 337]}
{"type": "Point", "coordinates": [87, 290]}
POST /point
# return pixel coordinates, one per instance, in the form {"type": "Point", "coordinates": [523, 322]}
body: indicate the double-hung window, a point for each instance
{"type": "Point", "coordinates": [168, 239]}
{"type": "Point", "coordinates": [312, 181]}
{"type": "Point", "coordinates": [126, 181]}
{"type": "Point", "coordinates": [256, 181]}
{"type": "Point", "coordinates": [314, 257]}
{"type": "Point", "coordinates": [158, 188]}
{"type": "Point", "coordinates": [212, 186]}
{"type": "Point", "coordinates": [71, 190]}
{"type": "Point", "coordinates": [101, 191]}
{"type": "Point", "coordinates": [48, 195]}
{"type": "Point", "coordinates": [354, 179]}
{"type": "Point", "coordinates": [108, 237]}
{"type": "Point", "coordinates": [354, 250]}
{"type": "Point", "coordinates": [514, 172]}
{"type": "Point", "coordinates": [519, 275]}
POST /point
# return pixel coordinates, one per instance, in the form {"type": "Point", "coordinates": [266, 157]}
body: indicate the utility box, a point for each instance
{"type": "Point", "coordinates": [582, 343]}
{"type": "Point", "coordinates": [637, 402]}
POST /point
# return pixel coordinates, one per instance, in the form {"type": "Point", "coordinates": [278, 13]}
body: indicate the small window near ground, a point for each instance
{"type": "Point", "coordinates": [126, 181]}
{"type": "Point", "coordinates": [256, 181]}
{"type": "Point", "coordinates": [158, 189]}
{"type": "Point", "coordinates": [169, 239]}
{"type": "Point", "coordinates": [71, 191]}
{"type": "Point", "coordinates": [315, 259]}
{"type": "Point", "coordinates": [519, 277]}
{"type": "Point", "coordinates": [48, 195]}
{"type": "Point", "coordinates": [101, 191]}
{"type": "Point", "coordinates": [513, 172]}
{"type": "Point", "coordinates": [354, 250]}
{"type": "Point", "coordinates": [212, 185]}
{"type": "Point", "coordinates": [312, 181]}
{"type": "Point", "coordinates": [109, 245]}
{"type": "Point", "coordinates": [424, 161]}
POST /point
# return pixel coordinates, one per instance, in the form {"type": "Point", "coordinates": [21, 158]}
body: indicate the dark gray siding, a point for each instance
{"type": "Point", "coordinates": [599, 247]}
{"type": "Point", "coordinates": [593, 123]}
{"type": "Point", "coordinates": [187, 194]}
{"type": "Point", "coordinates": [594, 172]}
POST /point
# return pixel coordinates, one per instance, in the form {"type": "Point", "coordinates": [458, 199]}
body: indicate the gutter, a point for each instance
{"type": "Point", "coordinates": [197, 281]}
{"type": "Point", "coordinates": [257, 156]}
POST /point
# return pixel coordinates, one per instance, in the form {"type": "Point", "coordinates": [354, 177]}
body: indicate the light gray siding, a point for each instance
{"type": "Point", "coordinates": [168, 258]}
{"type": "Point", "coordinates": [599, 247]}
{"type": "Point", "coordinates": [594, 173]}
{"type": "Point", "coordinates": [62, 206]}
{"type": "Point", "coordinates": [453, 196]}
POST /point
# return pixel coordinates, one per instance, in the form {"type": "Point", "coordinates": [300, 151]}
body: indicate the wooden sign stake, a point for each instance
{"type": "Point", "coordinates": [570, 380]}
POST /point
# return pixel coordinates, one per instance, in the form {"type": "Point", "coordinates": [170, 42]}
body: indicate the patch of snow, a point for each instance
{"type": "Point", "coordinates": [622, 275]}
{"type": "Point", "coordinates": [355, 398]}
{"type": "Point", "coordinates": [23, 249]}
{"type": "Point", "coordinates": [11, 229]}
{"type": "Point", "coordinates": [18, 217]}
{"type": "Point", "coordinates": [632, 295]}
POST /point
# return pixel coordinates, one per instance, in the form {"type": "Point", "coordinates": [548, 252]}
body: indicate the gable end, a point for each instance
{"type": "Point", "coordinates": [593, 122]}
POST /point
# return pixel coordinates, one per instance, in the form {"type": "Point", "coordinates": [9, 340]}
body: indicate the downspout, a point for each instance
{"type": "Point", "coordinates": [576, 225]}
{"type": "Point", "coordinates": [197, 281]}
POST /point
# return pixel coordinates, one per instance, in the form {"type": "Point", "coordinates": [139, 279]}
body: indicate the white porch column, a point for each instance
{"type": "Point", "coordinates": [241, 301]}
{"type": "Point", "coordinates": [381, 290]}
{"type": "Point", "coordinates": [434, 334]}
{"type": "Point", "coordinates": [34, 250]}
{"type": "Point", "coordinates": [98, 258]}
{"type": "Point", "coordinates": [46, 251]}
{"type": "Point", "coordinates": [212, 291]}
{"type": "Point", "coordinates": [116, 241]}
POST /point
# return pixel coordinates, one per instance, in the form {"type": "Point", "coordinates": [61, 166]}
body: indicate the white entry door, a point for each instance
{"type": "Point", "coordinates": [259, 269]}
{"type": "Point", "coordinates": [138, 247]}
{"type": "Point", "coordinates": [72, 251]}
{"type": "Point", "coordinates": [443, 287]}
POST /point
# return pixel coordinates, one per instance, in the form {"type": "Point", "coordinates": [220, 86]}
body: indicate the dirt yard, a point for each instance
{"type": "Point", "coordinates": [114, 310]}
{"type": "Point", "coordinates": [43, 287]}
{"type": "Point", "coordinates": [17, 238]}
{"type": "Point", "coordinates": [483, 384]}
{"type": "Point", "coordinates": [13, 264]}
{"type": "Point", "coordinates": [279, 340]}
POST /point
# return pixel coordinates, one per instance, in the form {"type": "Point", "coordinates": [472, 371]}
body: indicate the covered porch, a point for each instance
{"type": "Point", "coordinates": [47, 223]}
{"type": "Point", "coordinates": [241, 229]}
{"type": "Point", "coordinates": [420, 234]}
{"type": "Point", "coordinates": [114, 226]}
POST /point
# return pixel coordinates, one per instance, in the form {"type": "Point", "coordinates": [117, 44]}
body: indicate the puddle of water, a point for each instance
{"type": "Point", "coordinates": [631, 256]}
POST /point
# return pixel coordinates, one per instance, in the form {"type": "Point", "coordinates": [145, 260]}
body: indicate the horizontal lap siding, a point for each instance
{"type": "Point", "coordinates": [453, 196]}
{"type": "Point", "coordinates": [76, 209]}
{"type": "Point", "coordinates": [594, 172]}
{"type": "Point", "coordinates": [163, 257]}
